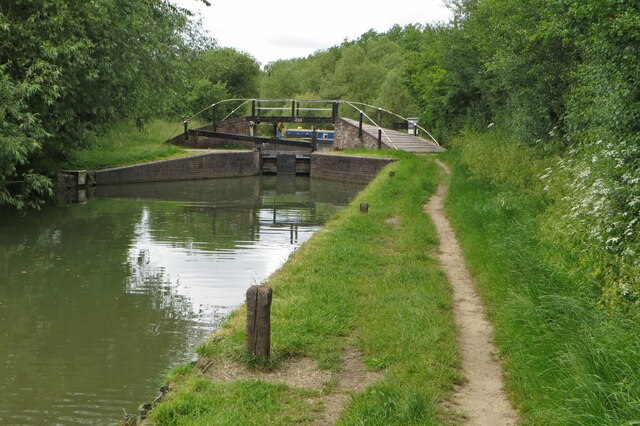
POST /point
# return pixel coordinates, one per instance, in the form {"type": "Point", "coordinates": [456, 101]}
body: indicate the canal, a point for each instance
{"type": "Point", "coordinates": [99, 300]}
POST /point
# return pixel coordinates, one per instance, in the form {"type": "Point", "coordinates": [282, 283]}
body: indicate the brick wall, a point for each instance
{"type": "Point", "coordinates": [346, 137]}
{"type": "Point", "coordinates": [237, 126]}
{"type": "Point", "coordinates": [201, 166]}
{"type": "Point", "coordinates": [346, 168]}
{"type": "Point", "coordinates": [207, 142]}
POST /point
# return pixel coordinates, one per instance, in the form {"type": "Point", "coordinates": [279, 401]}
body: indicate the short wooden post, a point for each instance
{"type": "Point", "coordinates": [379, 138]}
{"type": "Point", "coordinates": [334, 111]}
{"type": "Point", "coordinates": [186, 129]}
{"type": "Point", "coordinates": [259, 320]}
{"type": "Point", "coordinates": [360, 126]}
{"type": "Point", "coordinates": [364, 207]}
{"type": "Point", "coordinates": [253, 108]}
{"type": "Point", "coordinates": [293, 108]}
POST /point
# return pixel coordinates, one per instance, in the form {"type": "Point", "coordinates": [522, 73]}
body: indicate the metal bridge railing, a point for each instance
{"type": "Point", "coordinates": [405, 119]}
{"type": "Point", "coordinates": [292, 108]}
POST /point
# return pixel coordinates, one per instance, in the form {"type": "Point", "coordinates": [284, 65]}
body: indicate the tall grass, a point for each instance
{"type": "Point", "coordinates": [127, 144]}
{"type": "Point", "coordinates": [365, 280]}
{"type": "Point", "coordinates": [568, 361]}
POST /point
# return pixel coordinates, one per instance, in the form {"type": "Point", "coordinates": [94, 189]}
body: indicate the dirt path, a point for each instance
{"type": "Point", "coordinates": [303, 373]}
{"type": "Point", "coordinates": [481, 397]}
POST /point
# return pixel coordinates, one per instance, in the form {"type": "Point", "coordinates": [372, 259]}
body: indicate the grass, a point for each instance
{"type": "Point", "coordinates": [202, 402]}
{"type": "Point", "coordinates": [382, 153]}
{"type": "Point", "coordinates": [126, 144]}
{"type": "Point", "coordinates": [363, 281]}
{"type": "Point", "coordinates": [567, 360]}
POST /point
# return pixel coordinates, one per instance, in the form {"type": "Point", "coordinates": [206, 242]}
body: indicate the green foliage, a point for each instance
{"type": "Point", "coordinates": [212, 75]}
{"type": "Point", "coordinates": [519, 167]}
{"type": "Point", "coordinates": [201, 402]}
{"type": "Point", "coordinates": [368, 70]}
{"type": "Point", "coordinates": [127, 144]}
{"type": "Point", "coordinates": [566, 360]}
{"type": "Point", "coordinates": [596, 181]}
{"type": "Point", "coordinates": [21, 134]}
{"type": "Point", "coordinates": [560, 77]}
{"type": "Point", "coordinates": [70, 68]}
{"type": "Point", "coordinates": [389, 404]}
{"type": "Point", "coordinates": [441, 69]}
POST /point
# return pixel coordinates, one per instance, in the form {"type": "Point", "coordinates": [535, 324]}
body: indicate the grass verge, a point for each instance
{"type": "Point", "coordinates": [369, 281]}
{"type": "Point", "coordinates": [567, 360]}
{"type": "Point", "coordinates": [126, 144]}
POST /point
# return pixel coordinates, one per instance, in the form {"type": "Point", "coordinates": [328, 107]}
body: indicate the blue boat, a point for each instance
{"type": "Point", "coordinates": [322, 135]}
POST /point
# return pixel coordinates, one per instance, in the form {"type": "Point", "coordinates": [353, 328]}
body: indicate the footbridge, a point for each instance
{"type": "Point", "coordinates": [303, 126]}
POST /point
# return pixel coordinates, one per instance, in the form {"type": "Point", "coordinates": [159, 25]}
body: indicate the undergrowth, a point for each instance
{"type": "Point", "coordinates": [568, 359]}
{"type": "Point", "coordinates": [127, 144]}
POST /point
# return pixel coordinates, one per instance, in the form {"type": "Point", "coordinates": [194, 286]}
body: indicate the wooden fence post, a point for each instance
{"type": "Point", "coordinates": [259, 321]}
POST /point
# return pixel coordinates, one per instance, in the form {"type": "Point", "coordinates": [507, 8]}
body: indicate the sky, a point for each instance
{"type": "Point", "coordinates": [285, 29]}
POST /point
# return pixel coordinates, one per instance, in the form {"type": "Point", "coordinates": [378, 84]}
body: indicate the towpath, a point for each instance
{"type": "Point", "coordinates": [481, 397]}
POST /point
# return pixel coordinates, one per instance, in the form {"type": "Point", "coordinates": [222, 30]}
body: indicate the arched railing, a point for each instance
{"type": "Point", "coordinates": [291, 110]}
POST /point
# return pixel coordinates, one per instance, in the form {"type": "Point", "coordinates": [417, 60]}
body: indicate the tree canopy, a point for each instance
{"type": "Point", "coordinates": [70, 69]}
{"type": "Point", "coordinates": [369, 69]}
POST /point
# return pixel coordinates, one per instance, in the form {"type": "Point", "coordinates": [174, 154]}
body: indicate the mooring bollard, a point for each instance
{"type": "Point", "coordinates": [259, 320]}
{"type": "Point", "coordinates": [364, 207]}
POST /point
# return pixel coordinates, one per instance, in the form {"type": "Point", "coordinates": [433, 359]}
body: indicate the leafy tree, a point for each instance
{"type": "Point", "coordinates": [21, 133]}
{"type": "Point", "coordinates": [367, 70]}
{"type": "Point", "coordinates": [70, 68]}
{"type": "Point", "coordinates": [213, 74]}
{"type": "Point", "coordinates": [282, 79]}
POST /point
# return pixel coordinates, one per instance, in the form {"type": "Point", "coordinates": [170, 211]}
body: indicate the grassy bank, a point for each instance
{"type": "Point", "coordinates": [568, 360]}
{"type": "Point", "coordinates": [126, 144]}
{"type": "Point", "coordinates": [368, 281]}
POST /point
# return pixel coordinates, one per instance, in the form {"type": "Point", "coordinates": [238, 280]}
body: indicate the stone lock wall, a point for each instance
{"type": "Point", "coordinates": [200, 166]}
{"type": "Point", "coordinates": [207, 142]}
{"type": "Point", "coordinates": [346, 168]}
{"type": "Point", "coordinates": [237, 126]}
{"type": "Point", "coordinates": [346, 137]}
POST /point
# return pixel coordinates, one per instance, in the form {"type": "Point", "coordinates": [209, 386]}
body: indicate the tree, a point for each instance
{"type": "Point", "coordinates": [213, 74]}
{"type": "Point", "coordinates": [70, 68]}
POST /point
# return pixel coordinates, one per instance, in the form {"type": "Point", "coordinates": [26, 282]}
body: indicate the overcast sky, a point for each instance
{"type": "Point", "coordinates": [284, 29]}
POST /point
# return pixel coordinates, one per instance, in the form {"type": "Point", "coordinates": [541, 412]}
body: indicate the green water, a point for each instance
{"type": "Point", "coordinates": [99, 300]}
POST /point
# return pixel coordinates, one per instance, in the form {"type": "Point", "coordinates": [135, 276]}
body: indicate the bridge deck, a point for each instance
{"type": "Point", "coordinates": [398, 140]}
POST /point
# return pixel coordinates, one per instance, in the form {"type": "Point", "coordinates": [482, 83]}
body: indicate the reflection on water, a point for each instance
{"type": "Point", "coordinates": [98, 300]}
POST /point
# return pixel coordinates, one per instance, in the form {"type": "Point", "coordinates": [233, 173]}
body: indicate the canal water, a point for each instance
{"type": "Point", "coordinates": [99, 300]}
